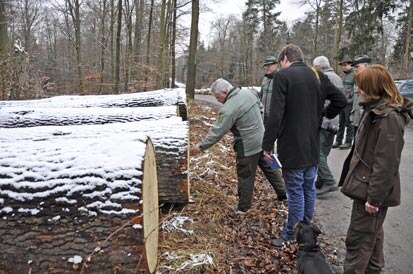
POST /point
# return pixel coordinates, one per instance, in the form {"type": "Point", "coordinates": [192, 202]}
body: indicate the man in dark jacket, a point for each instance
{"type": "Point", "coordinates": [345, 123]}
{"type": "Point", "coordinates": [296, 111]}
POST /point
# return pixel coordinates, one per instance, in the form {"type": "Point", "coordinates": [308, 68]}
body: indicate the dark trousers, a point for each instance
{"type": "Point", "coordinates": [364, 242]}
{"type": "Point", "coordinates": [345, 123]}
{"type": "Point", "coordinates": [246, 169]}
{"type": "Point", "coordinates": [324, 174]}
{"type": "Point", "coordinates": [274, 177]}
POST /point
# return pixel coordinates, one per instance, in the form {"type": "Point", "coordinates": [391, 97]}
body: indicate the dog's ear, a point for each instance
{"type": "Point", "coordinates": [316, 230]}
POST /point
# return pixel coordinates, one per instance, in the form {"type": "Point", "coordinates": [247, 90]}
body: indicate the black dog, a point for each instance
{"type": "Point", "coordinates": [310, 260]}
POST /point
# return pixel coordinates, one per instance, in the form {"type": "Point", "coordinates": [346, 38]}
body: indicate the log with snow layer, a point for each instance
{"type": "Point", "coordinates": [12, 117]}
{"type": "Point", "coordinates": [163, 97]}
{"type": "Point", "coordinates": [77, 199]}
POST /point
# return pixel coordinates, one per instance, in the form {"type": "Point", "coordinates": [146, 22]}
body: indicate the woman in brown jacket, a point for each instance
{"type": "Point", "coordinates": [371, 171]}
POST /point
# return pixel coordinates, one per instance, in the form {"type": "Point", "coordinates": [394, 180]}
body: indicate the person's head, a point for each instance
{"type": "Point", "coordinates": [220, 89]}
{"type": "Point", "coordinates": [375, 83]}
{"type": "Point", "coordinates": [346, 63]}
{"type": "Point", "coordinates": [361, 62]}
{"type": "Point", "coordinates": [270, 64]}
{"type": "Point", "coordinates": [290, 54]}
{"type": "Point", "coordinates": [321, 63]}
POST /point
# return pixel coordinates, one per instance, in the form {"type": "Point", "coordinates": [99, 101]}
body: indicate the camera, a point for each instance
{"type": "Point", "coordinates": [327, 125]}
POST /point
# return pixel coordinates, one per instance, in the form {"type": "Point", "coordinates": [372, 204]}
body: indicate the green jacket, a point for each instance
{"type": "Point", "coordinates": [348, 85]}
{"type": "Point", "coordinates": [371, 171]}
{"type": "Point", "coordinates": [265, 94]}
{"type": "Point", "coordinates": [242, 114]}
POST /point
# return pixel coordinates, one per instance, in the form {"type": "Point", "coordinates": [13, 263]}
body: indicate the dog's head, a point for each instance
{"type": "Point", "coordinates": [306, 233]}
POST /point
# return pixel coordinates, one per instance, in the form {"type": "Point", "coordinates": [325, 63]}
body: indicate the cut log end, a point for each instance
{"type": "Point", "coordinates": [150, 207]}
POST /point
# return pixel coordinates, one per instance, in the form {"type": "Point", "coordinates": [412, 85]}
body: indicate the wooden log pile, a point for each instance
{"type": "Point", "coordinates": [72, 181]}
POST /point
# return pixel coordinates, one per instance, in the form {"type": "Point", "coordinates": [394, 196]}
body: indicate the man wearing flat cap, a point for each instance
{"type": "Point", "coordinates": [360, 63]}
{"type": "Point", "coordinates": [344, 122]}
{"type": "Point", "coordinates": [273, 176]}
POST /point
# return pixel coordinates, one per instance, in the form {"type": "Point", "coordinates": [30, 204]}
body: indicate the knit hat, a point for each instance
{"type": "Point", "coordinates": [361, 59]}
{"type": "Point", "coordinates": [270, 60]}
{"type": "Point", "coordinates": [345, 60]}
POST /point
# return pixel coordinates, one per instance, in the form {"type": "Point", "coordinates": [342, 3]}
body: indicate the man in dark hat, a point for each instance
{"type": "Point", "coordinates": [273, 176]}
{"type": "Point", "coordinates": [360, 63]}
{"type": "Point", "coordinates": [348, 89]}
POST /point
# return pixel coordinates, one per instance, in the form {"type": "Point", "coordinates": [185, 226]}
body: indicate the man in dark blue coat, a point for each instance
{"type": "Point", "coordinates": [297, 106]}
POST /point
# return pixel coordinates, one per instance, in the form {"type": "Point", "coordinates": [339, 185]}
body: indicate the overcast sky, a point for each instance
{"type": "Point", "coordinates": [289, 13]}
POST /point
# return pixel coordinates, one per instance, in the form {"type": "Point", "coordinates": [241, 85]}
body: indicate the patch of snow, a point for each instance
{"type": "Point", "coordinates": [75, 260]}
{"type": "Point", "coordinates": [177, 223]}
{"type": "Point", "coordinates": [32, 211]}
{"type": "Point", "coordinates": [1, 201]}
{"type": "Point", "coordinates": [54, 219]}
{"type": "Point", "coordinates": [137, 226]}
{"type": "Point", "coordinates": [65, 200]}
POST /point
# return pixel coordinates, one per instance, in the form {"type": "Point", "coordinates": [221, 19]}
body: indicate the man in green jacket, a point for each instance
{"type": "Point", "coordinates": [273, 176]}
{"type": "Point", "coordinates": [242, 114]}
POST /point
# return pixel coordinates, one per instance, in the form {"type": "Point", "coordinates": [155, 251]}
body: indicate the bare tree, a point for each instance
{"type": "Point", "coordinates": [407, 51]}
{"type": "Point", "coordinates": [117, 58]}
{"type": "Point", "coordinates": [30, 16]}
{"type": "Point", "coordinates": [191, 72]}
{"type": "Point", "coordinates": [74, 11]}
{"type": "Point", "coordinates": [4, 38]}
{"type": "Point", "coordinates": [162, 38]}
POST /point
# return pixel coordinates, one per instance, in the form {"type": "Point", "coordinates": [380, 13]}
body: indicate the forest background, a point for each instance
{"type": "Point", "coordinates": [61, 47]}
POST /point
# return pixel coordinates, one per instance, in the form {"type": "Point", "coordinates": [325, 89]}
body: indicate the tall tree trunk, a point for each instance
{"type": "Point", "coordinates": [117, 60]}
{"type": "Point", "coordinates": [383, 44]}
{"type": "Point", "coordinates": [74, 9]}
{"type": "Point", "coordinates": [102, 46]}
{"type": "Point", "coordinates": [112, 40]}
{"type": "Point", "coordinates": [191, 72]}
{"type": "Point", "coordinates": [173, 42]}
{"type": "Point", "coordinates": [148, 45]}
{"type": "Point", "coordinates": [4, 38]}
{"type": "Point", "coordinates": [407, 46]}
{"type": "Point", "coordinates": [128, 54]}
{"type": "Point", "coordinates": [139, 8]}
{"type": "Point", "coordinates": [338, 30]}
{"type": "Point", "coordinates": [161, 51]}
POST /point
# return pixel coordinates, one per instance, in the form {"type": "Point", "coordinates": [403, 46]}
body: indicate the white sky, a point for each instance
{"type": "Point", "coordinates": [289, 13]}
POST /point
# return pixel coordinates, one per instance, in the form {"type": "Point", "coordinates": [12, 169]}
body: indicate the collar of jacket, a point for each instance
{"type": "Point", "coordinates": [380, 108]}
{"type": "Point", "coordinates": [298, 63]}
{"type": "Point", "coordinates": [348, 71]}
{"type": "Point", "coordinates": [270, 75]}
{"type": "Point", "coordinates": [229, 95]}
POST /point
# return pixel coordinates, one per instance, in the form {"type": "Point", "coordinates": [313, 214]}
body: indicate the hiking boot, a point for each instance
{"type": "Point", "coordinates": [345, 146]}
{"type": "Point", "coordinates": [326, 189]}
{"type": "Point", "coordinates": [278, 243]}
{"type": "Point", "coordinates": [336, 145]}
{"type": "Point", "coordinates": [282, 197]}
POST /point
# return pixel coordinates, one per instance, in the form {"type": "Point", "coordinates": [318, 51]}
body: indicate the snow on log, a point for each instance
{"type": "Point", "coordinates": [164, 97]}
{"type": "Point", "coordinates": [11, 117]}
{"type": "Point", "coordinates": [77, 199]}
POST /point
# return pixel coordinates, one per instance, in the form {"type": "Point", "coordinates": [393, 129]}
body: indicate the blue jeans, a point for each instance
{"type": "Point", "coordinates": [301, 197]}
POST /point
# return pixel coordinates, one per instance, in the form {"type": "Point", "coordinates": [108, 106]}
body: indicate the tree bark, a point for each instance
{"type": "Point", "coordinates": [60, 226]}
{"type": "Point", "coordinates": [173, 42]}
{"type": "Point", "coordinates": [117, 58]}
{"type": "Point", "coordinates": [103, 44]}
{"type": "Point", "coordinates": [162, 38]}
{"type": "Point", "coordinates": [407, 46]}
{"type": "Point", "coordinates": [139, 9]}
{"type": "Point", "coordinates": [338, 30]}
{"type": "Point", "coordinates": [4, 38]}
{"type": "Point", "coordinates": [148, 45]}
{"type": "Point", "coordinates": [191, 72]}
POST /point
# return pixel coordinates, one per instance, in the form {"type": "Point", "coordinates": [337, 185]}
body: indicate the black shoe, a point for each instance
{"type": "Point", "coordinates": [326, 189]}
{"type": "Point", "coordinates": [336, 145]}
{"type": "Point", "coordinates": [318, 184]}
{"type": "Point", "coordinates": [282, 198]}
{"type": "Point", "coordinates": [345, 146]}
{"type": "Point", "coordinates": [278, 243]}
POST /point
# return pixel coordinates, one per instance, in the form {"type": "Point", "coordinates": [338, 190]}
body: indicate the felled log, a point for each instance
{"type": "Point", "coordinates": [164, 97]}
{"type": "Point", "coordinates": [11, 117]}
{"type": "Point", "coordinates": [77, 201]}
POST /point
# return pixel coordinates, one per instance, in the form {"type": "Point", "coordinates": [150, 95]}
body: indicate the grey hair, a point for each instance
{"type": "Point", "coordinates": [293, 53]}
{"type": "Point", "coordinates": [321, 61]}
{"type": "Point", "coordinates": [220, 86]}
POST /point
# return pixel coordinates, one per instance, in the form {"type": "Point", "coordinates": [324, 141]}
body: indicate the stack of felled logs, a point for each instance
{"type": "Point", "coordinates": [81, 182]}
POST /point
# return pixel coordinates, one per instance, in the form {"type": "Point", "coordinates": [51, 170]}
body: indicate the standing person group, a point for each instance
{"type": "Point", "coordinates": [295, 108]}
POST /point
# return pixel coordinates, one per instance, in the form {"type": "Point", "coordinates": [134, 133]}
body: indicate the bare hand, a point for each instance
{"type": "Point", "coordinates": [267, 156]}
{"type": "Point", "coordinates": [194, 150]}
{"type": "Point", "coordinates": [370, 208]}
